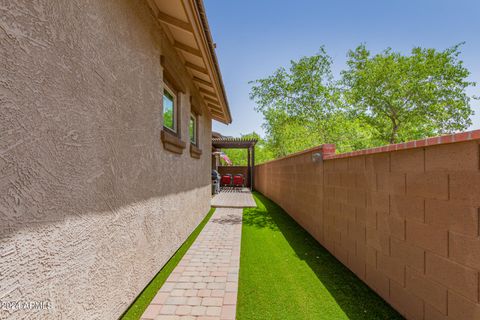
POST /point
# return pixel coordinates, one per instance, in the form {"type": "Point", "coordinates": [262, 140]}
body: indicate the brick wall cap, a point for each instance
{"type": "Point", "coordinates": [446, 139]}
{"type": "Point", "coordinates": [327, 150]}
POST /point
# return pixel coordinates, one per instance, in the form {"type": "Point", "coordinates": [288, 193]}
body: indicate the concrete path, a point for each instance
{"type": "Point", "coordinates": [204, 284]}
{"type": "Point", "coordinates": [234, 198]}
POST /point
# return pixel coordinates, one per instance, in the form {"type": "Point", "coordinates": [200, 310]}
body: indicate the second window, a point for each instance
{"type": "Point", "coordinates": [192, 129]}
{"type": "Point", "coordinates": [169, 109]}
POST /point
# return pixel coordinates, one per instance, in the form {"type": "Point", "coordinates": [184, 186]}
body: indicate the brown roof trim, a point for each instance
{"type": "Point", "coordinates": [208, 35]}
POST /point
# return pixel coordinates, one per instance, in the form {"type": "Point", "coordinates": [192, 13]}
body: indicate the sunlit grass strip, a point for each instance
{"type": "Point", "coordinates": [137, 308]}
{"type": "Point", "coordinates": [286, 274]}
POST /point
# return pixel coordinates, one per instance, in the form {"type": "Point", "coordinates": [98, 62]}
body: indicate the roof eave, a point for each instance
{"type": "Point", "coordinates": [206, 28]}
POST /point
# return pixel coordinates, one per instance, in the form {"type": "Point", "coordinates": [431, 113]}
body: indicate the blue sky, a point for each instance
{"type": "Point", "coordinates": [256, 37]}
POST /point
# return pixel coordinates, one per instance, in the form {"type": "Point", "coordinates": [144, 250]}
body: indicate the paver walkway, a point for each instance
{"type": "Point", "coordinates": [233, 198]}
{"type": "Point", "coordinates": [204, 284]}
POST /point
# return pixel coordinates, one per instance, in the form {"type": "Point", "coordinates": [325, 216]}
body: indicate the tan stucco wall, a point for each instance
{"type": "Point", "coordinates": [406, 222]}
{"type": "Point", "coordinates": [91, 205]}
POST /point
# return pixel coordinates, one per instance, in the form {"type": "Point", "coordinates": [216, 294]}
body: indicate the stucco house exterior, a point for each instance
{"type": "Point", "coordinates": [105, 148]}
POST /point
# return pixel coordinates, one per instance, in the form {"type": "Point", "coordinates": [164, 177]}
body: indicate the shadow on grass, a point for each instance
{"type": "Point", "coordinates": [353, 296]}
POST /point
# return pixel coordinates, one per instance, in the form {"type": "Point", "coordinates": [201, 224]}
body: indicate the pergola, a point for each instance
{"type": "Point", "coordinates": [239, 143]}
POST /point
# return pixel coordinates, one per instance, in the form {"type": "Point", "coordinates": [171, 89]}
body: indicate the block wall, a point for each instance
{"type": "Point", "coordinates": [406, 221]}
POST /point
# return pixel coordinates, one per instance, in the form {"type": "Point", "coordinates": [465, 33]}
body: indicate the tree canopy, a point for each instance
{"type": "Point", "coordinates": [405, 97]}
{"type": "Point", "coordinates": [302, 108]}
{"type": "Point", "coordinates": [379, 99]}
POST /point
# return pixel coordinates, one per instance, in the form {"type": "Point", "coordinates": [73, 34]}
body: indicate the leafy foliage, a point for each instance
{"type": "Point", "coordinates": [302, 107]}
{"type": "Point", "coordinates": [380, 99]}
{"type": "Point", "coordinates": [408, 97]}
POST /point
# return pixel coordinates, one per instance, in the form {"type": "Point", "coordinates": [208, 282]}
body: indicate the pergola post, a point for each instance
{"type": "Point", "coordinates": [249, 170]}
{"type": "Point", "coordinates": [252, 181]}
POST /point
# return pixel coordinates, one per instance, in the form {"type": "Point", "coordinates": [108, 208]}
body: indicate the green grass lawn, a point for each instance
{"type": "Point", "coordinates": [286, 274]}
{"type": "Point", "coordinates": [137, 308]}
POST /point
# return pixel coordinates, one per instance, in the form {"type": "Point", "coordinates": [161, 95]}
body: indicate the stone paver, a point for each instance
{"type": "Point", "coordinates": [234, 198]}
{"type": "Point", "coordinates": [204, 284]}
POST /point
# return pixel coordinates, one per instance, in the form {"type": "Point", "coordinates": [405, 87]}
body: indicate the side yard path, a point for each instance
{"type": "Point", "coordinates": [204, 284]}
{"type": "Point", "coordinates": [233, 198]}
{"type": "Point", "coordinates": [286, 274]}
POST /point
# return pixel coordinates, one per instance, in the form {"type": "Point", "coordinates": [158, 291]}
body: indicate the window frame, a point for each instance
{"type": "Point", "coordinates": [193, 116]}
{"type": "Point", "coordinates": [173, 93]}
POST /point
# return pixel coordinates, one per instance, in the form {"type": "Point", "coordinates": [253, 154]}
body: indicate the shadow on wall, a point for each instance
{"type": "Point", "coordinates": [41, 196]}
{"type": "Point", "coordinates": [86, 142]}
{"type": "Point", "coordinates": [89, 199]}
{"type": "Point", "coordinates": [354, 297]}
{"type": "Point", "coordinates": [49, 181]}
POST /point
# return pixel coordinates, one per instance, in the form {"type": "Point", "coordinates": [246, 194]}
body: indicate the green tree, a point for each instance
{"type": "Point", "coordinates": [379, 99]}
{"type": "Point", "coordinates": [302, 108]}
{"type": "Point", "coordinates": [406, 97]}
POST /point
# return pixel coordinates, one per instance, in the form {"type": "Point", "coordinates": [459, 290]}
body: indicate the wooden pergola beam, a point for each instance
{"type": "Point", "coordinates": [165, 18]}
{"type": "Point", "coordinates": [233, 143]}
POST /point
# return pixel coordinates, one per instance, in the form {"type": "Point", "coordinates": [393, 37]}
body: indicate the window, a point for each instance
{"type": "Point", "coordinates": [192, 129]}
{"type": "Point", "coordinates": [169, 109]}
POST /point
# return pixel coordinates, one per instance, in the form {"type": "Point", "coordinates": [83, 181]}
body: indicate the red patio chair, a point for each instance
{"type": "Point", "coordinates": [238, 180]}
{"type": "Point", "coordinates": [226, 180]}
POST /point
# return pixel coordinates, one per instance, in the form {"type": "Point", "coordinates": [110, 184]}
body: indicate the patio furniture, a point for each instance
{"type": "Point", "coordinates": [238, 180]}
{"type": "Point", "coordinates": [227, 180]}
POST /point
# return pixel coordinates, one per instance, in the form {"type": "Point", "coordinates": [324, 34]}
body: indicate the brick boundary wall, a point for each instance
{"type": "Point", "coordinates": [404, 218]}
